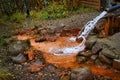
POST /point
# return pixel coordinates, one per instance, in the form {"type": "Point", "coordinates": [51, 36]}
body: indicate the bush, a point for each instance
{"type": "Point", "coordinates": [17, 17]}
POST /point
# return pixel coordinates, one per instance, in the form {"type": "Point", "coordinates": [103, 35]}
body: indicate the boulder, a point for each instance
{"type": "Point", "coordinates": [90, 42]}
{"type": "Point", "coordinates": [84, 73]}
{"type": "Point", "coordinates": [105, 59]}
{"type": "Point", "coordinates": [108, 53]}
{"type": "Point", "coordinates": [109, 46]}
{"type": "Point", "coordinates": [97, 48]}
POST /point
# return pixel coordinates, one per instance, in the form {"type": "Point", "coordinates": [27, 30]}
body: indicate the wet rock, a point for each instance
{"type": "Point", "coordinates": [100, 25]}
{"type": "Point", "coordinates": [16, 48]}
{"type": "Point", "coordinates": [35, 67]}
{"type": "Point", "coordinates": [82, 74]}
{"type": "Point", "coordinates": [93, 57]}
{"type": "Point", "coordinates": [108, 53]}
{"type": "Point", "coordinates": [40, 39]}
{"type": "Point", "coordinates": [116, 64]}
{"type": "Point", "coordinates": [51, 38]}
{"type": "Point", "coordinates": [69, 32]}
{"type": "Point", "coordinates": [81, 59]}
{"type": "Point", "coordinates": [110, 46]}
{"type": "Point", "coordinates": [51, 68]}
{"type": "Point", "coordinates": [86, 53]}
{"type": "Point", "coordinates": [90, 42]}
{"type": "Point", "coordinates": [20, 58]}
{"type": "Point", "coordinates": [98, 62]}
{"type": "Point", "coordinates": [97, 48]}
{"type": "Point", "coordinates": [104, 59]}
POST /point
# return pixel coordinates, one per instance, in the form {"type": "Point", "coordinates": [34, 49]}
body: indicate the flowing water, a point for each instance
{"type": "Point", "coordinates": [82, 34]}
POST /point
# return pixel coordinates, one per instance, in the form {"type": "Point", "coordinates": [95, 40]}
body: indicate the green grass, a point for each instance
{"type": "Point", "coordinates": [2, 40]}
{"type": "Point", "coordinates": [85, 9]}
{"type": "Point", "coordinates": [6, 75]}
{"type": "Point", "coordinates": [17, 17]}
{"type": "Point", "coordinates": [53, 11]}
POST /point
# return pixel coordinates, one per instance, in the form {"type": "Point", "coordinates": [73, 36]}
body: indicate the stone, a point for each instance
{"type": "Point", "coordinates": [98, 62]}
{"type": "Point", "coordinates": [51, 38]}
{"type": "Point", "coordinates": [90, 42]}
{"type": "Point", "coordinates": [16, 48]}
{"type": "Point", "coordinates": [69, 32]}
{"type": "Point", "coordinates": [86, 53]}
{"type": "Point", "coordinates": [35, 67]}
{"type": "Point", "coordinates": [81, 59]}
{"type": "Point", "coordinates": [20, 58]}
{"type": "Point", "coordinates": [84, 73]}
{"type": "Point", "coordinates": [116, 64]}
{"type": "Point", "coordinates": [97, 48]}
{"type": "Point", "coordinates": [108, 53]}
{"type": "Point", "coordinates": [51, 68]}
{"type": "Point", "coordinates": [40, 39]}
{"type": "Point", "coordinates": [109, 46]}
{"type": "Point", "coordinates": [105, 59]}
{"type": "Point", "coordinates": [93, 57]}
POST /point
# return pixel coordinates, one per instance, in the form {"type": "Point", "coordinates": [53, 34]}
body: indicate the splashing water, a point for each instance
{"type": "Point", "coordinates": [84, 33]}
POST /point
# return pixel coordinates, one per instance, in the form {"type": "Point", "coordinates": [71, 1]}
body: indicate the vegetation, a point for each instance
{"type": "Point", "coordinates": [2, 40]}
{"type": "Point", "coordinates": [6, 75]}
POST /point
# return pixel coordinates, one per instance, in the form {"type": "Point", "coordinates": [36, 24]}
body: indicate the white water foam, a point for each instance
{"type": "Point", "coordinates": [87, 29]}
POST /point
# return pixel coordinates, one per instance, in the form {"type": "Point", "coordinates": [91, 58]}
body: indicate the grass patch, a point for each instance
{"type": "Point", "coordinates": [6, 75]}
{"type": "Point", "coordinates": [85, 9]}
{"type": "Point", "coordinates": [2, 40]}
{"type": "Point", "coordinates": [17, 17]}
{"type": "Point", "coordinates": [53, 11]}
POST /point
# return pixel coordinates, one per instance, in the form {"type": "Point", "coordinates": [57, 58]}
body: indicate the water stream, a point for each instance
{"type": "Point", "coordinates": [82, 34]}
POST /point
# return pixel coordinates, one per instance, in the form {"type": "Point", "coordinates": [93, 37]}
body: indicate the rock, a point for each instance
{"type": "Point", "coordinates": [108, 53]}
{"type": "Point", "coordinates": [116, 64]}
{"type": "Point", "coordinates": [86, 53]}
{"type": "Point", "coordinates": [104, 59]}
{"type": "Point", "coordinates": [98, 62]}
{"type": "Point", "coordinates": [97, 48]}
{"type": "Point", "coordinates": [110, 46]}
{"type": "Point", "coordinates": [90, 42]}
{"type": "Point", "coordinates": [51, 68]}
{"type": "Point", "coordinates": [69, 32]}
{"type": "Point", "coordinates": [20, 58]}
{"type": "Point", "coordinates": [51, 38]}
{"type": "Point", "coordinates": [81, 59]}
{"type": "Point", "coordinates": [40, 39]}
{"type": "Point", "coordinates": [93, 57]}
{"type": "Point", "coordinates": [82, 74]}
{"type": "Point", "coordinates": [35, 67]}
{"type": "Point", "coordinates": [16, 48]}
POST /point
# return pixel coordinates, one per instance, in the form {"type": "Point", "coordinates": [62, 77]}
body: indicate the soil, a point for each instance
{"type": "Point", "coordinates": [46, 69]}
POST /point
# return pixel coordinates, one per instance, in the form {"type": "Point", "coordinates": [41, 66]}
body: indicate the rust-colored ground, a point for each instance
{"type": "Point", "coordinates": [68, 60]}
